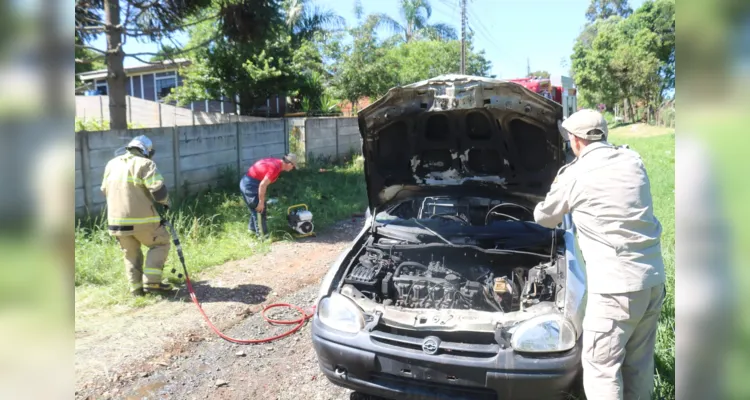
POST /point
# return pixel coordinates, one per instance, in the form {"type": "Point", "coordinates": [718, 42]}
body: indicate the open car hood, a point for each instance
{"type": "Point", "coordinates": [457, 131]}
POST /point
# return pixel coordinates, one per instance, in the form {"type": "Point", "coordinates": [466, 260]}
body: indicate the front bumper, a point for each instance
{"type": "Point", "coordinates": [356, 362]}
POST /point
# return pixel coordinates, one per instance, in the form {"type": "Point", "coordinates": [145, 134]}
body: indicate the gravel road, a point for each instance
{"type": "Point", "coordinates": [167, 351]}
{"type": "Point", "coordinates": [216, 369]}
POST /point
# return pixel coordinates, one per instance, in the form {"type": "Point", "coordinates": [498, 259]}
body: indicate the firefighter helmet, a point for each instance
{"type": "Point", "coordinates": [142, 143]}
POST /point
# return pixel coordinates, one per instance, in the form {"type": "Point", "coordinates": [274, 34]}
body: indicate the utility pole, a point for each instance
{"type": "Point", "coordinates": [528, 68]}
{"type": "Point", "coordinates": [463, 37]}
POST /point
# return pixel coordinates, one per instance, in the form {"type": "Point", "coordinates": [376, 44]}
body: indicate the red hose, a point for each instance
{"type": "Point", "coordinates": [299, 321]}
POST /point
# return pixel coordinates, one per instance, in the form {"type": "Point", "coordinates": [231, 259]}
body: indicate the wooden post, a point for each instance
{"type": "Point", "coordinates": [158, 107]}
{"type": "Point", "coordinates": [130, 111]}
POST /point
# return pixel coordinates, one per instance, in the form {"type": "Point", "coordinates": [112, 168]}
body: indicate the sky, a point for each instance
{"type": "Point", "coordinates": [509, 31]}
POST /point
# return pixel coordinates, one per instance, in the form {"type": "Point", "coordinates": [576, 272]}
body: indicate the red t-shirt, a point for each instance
{"type": "Point", "coordinates": [267, 167]}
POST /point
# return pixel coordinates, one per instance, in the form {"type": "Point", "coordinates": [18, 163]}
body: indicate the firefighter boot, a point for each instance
{"type": "Point", "coordinates": [163, 289]}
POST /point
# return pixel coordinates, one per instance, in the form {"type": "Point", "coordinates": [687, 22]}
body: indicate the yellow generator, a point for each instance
{"type": "Point", "coordinates": [300, 220]}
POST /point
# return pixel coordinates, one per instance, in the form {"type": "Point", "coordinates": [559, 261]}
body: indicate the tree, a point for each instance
{"type": "Point", "coordinates": [369, 67]}
{"type": "Point", "coordinates": [414, 25]}
{"type": "Point", "coordinates": [627, 60]}
{"type": "Point", "coordinates": [166, 52]}
{"type": "Point", "coordinates": [287, 61]}
{"type": "Point", "coordinates": [420, 60]}
{"type": "Point", "coordinates": [620, 64]}
{"type": "Point", "coordinates": [603, 9]}
{"type": "Point", "coordinates": [590, 61]}
{"type": "Point", "coordinates": [657, 17]}
{"type": "Point", "coordinates": [541, 74]}
{"type": "Point", "coordinates": [158, 21]}
{"type": "Point", "coordinates": [82, 53]}
{"type": "Point", "coordinates": [363, 68]}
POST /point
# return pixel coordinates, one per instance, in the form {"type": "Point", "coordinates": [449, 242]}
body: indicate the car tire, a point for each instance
{"type": "Point", "coordinates": [363, 396]}
{"type": "Point", "coordinates": [576, 389]}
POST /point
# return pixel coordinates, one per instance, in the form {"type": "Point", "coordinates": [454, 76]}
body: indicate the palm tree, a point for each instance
{"type": "Point", "coordinates": [304, 21]}
{"type": "Point", "coordinates": [413, 24]}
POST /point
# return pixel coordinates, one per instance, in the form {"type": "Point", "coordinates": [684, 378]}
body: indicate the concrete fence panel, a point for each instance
{"type": "Point", "coordinates": [350, 140]}
{"type": "Point", "coordinates": [260, 139]}
{"type": "Point", "coordinates": [320, 137]}
{"type": "Point", "coordinates": [191, 158]}
{"type": "Point", "coordinates": [203, 152]}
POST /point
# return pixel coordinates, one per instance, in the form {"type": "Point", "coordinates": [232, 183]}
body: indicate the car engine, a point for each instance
{"type": "Point", "coordinates": [465, 280]}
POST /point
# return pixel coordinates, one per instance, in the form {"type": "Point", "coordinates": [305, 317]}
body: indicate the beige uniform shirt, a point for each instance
{"type": "Point", "coordinates": [607, 192]}
{"type": "Point", "coordinates": [131, 184]}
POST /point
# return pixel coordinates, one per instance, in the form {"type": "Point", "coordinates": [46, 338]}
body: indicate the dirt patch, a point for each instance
{"type": "Point", "coordinates": [216, 369]}
{"type": "Point", "coordinates": [119, 346]}
{"type": "Point", "coordinates": [639, 130]}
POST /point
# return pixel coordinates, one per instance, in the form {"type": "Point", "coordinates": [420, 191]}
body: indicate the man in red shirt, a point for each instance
{"type": "Point", "coordinates": [254, 184]}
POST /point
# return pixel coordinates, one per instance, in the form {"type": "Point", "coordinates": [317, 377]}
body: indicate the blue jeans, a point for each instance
{"type": "Point", "coordinates": [249, 190]}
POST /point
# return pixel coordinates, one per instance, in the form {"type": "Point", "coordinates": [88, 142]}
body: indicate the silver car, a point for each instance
{"type": "Point", "coordinates": [451, 290]}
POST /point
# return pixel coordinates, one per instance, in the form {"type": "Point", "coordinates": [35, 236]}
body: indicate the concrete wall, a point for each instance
{"type": "Point", "coordinates": [331, 137]}
{"type": "Point", "coordinates": [192, 158]}
{"type": "Point", "coordinates": [150, 114]}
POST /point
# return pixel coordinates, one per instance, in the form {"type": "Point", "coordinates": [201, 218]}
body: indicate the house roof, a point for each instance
{"type": "Point", "coordinates": [166, 65]}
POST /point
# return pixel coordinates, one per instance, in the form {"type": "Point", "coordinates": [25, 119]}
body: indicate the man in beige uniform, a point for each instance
{"type": "Point", "coordinates": [607, 192]}
{"type": "Point", "coordinates": [132, 184]}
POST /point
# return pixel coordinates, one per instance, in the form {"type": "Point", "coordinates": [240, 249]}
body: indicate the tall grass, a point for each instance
{"type": "Point", "coordinates": [213, 228]}
{"type": "Point", "coordinates": [658, 154]}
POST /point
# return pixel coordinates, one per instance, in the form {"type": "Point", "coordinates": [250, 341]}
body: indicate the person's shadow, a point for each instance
{"type": "Point", "coordinates": [247, 294]}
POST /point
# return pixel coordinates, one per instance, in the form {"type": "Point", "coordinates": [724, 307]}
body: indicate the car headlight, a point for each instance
{"type": "Point", "coordinates": [340, 313]}
{"type": "Point", "coordinates": [543, 334]}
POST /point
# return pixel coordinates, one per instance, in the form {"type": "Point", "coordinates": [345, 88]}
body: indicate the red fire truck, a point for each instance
{"type": "Point", "coordinates": [558, 88]}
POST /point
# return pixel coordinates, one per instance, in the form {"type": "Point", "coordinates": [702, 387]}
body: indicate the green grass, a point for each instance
{"type": "Point", "coordinates": [213, 229]}
{"type": "Point", "coordinates": [658, 154]}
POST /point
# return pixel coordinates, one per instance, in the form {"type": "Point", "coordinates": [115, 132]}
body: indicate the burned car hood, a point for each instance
{"type": "Point", "coordinates": [455, 131]}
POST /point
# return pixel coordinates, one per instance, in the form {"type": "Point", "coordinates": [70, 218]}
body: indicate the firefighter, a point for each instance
{"type": "Point", "coordinates": [607, 192]}
{"type": "Point", "coordinates": [131, 185]}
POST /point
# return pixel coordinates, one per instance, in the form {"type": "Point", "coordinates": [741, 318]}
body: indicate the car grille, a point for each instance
{"type": "Point", "coordinates": [438, 390]}
{"type": "Point", "coordinates": [471, 345]}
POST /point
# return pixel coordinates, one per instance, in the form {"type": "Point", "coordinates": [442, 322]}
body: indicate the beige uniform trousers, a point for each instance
{"type": "Point", "coordinates": [158, 245]}
{"type": "Point", "coordinates": [619, 335]}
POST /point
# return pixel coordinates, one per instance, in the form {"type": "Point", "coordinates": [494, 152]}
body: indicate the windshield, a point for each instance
{"type": "Point", "coordinates": [468, 211]}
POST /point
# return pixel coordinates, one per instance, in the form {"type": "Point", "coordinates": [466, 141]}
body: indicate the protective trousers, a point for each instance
{"type": "Point", "coordinates": [619, 336]}
{"type": "Point", "coordinates": [158, 245]}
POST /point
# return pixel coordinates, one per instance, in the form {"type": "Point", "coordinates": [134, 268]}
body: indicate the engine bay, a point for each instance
{"type": "Point", "coordinates": [470, 258]}
{"type": "Point", "coordinates": [441, 277]}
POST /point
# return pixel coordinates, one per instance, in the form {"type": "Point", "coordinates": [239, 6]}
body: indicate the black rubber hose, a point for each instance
{"type": "Point", "coordinates": [408, 263]}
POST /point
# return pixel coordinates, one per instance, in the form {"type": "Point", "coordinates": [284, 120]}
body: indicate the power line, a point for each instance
{"type": "Point", "coordinates": [483, 31]}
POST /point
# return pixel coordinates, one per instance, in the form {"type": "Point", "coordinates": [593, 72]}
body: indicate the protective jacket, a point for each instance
{"type": "Point", "coordinates": [131, 184]}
